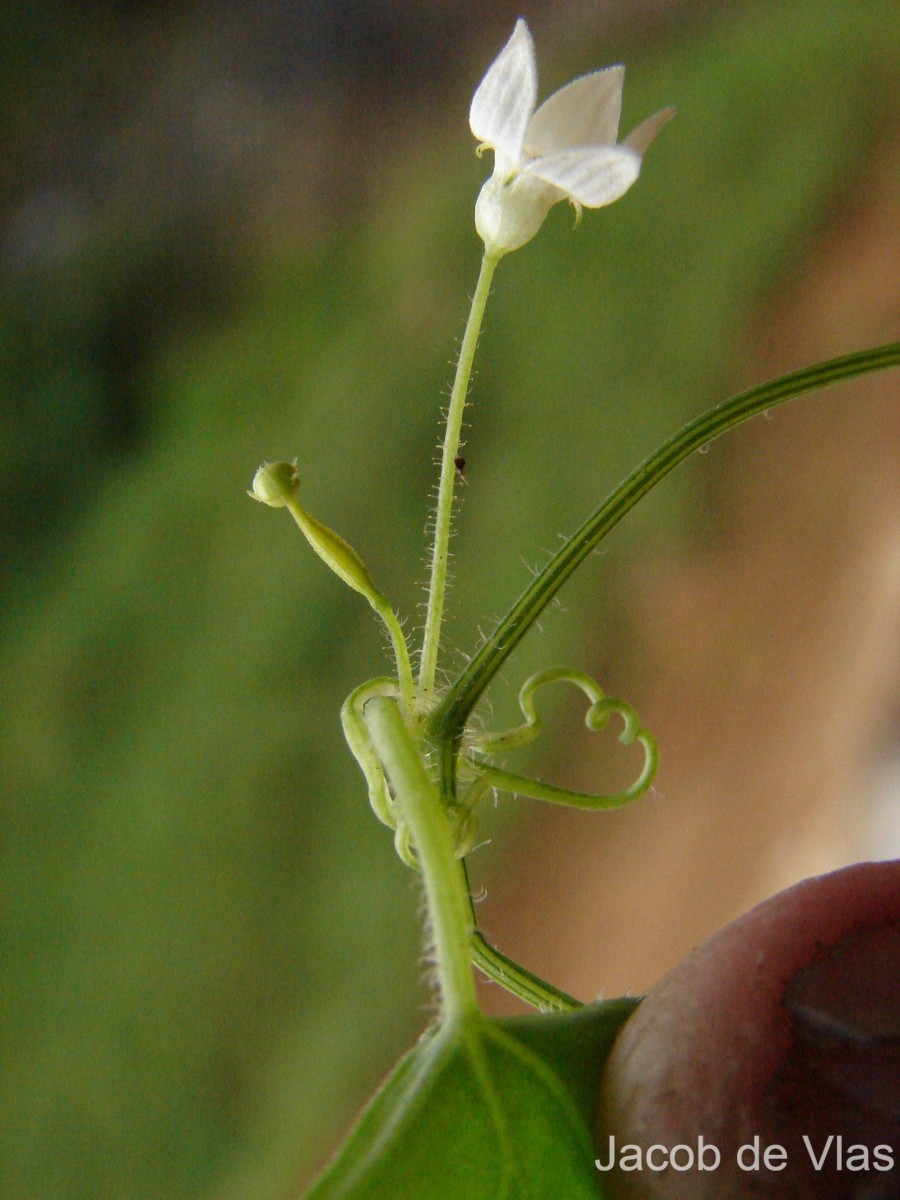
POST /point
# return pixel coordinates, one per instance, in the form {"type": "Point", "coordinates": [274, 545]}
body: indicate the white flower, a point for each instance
{"type": "Point", "coordinates": [566, 150]}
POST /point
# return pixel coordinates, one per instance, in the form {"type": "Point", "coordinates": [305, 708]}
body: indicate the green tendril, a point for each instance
{"type": "Point", "coordinates": [597, 717]}
{"type": "Point", "coordinates": [478, 775]}
{"type": "Point", "coordinates": [357, 736]}
{"type": "Point", "coordinates": [356, 732]}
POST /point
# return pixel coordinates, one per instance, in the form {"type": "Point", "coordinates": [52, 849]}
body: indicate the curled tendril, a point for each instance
{"type": "Point", "coordinates": [357, 735]}
{"type": "Point", "coordinates": [597, 717]}
{"type": "Point", "coordinates": [478, 775]}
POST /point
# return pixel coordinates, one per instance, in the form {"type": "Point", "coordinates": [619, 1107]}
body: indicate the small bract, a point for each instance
{"type": "Point", "coordinates": [566, 150]}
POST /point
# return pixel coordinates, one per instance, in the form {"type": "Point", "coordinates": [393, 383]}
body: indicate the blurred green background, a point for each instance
{"type": "Point", "coordinates": [234, 233]}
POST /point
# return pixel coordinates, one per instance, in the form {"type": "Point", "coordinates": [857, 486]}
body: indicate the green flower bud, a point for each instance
{"type": "Point", "coordinates": [275, 484]}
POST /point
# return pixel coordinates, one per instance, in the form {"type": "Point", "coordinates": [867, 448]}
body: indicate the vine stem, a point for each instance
{"type": "Point", "coordinates": [518, 980]}
{"type": "Point", "coordinates": [446, 887]}
{"type": "Point", "coordinates": [447, 721]}
{"type": "Point", "coordinates": [440, 550]}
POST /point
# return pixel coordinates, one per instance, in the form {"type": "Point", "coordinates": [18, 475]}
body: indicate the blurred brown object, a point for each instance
{"type": "Point", "coordinates": [779, 1034]}
{"type": "Point", "coordinates": [768, 664]}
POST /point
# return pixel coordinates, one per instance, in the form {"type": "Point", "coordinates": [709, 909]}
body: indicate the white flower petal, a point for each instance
{"type": "Point", "coordinates": [567, 149]}
{"type": "Point", "coordinates": [592, 176]}
{"type": "Point", "coordinates": [505, 98]}
{"type": "Point", "coordinates": [583, 113]}
{"type": "Point", "coordinates": [640, 138]}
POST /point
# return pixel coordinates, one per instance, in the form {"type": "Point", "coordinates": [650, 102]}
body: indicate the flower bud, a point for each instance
{"type": "Point", "coordinates": [275, 484]}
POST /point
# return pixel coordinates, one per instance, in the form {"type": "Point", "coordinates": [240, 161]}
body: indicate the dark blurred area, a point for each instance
{"type": "Point", "coordinates": [235, 232]}
{"type": "Point", "coordinates": [150, 147]}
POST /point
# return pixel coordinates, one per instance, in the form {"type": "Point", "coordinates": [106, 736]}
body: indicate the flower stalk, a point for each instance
{"type": "Point", "coordinates": [440, 550]}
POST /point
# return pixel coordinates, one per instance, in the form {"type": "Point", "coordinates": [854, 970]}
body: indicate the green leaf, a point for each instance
{"type": "Point", "coordinates": [484, 1110]}
{"type": "Point", "coordinates": [575, 1044]}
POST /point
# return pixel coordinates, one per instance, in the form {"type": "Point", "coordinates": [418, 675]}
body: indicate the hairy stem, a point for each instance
{"type": "Point", "coordinates": [512, 976]}
{"type": "Point", "coordinates": [401, 653]}
{"type": "Point", "coordinates": [446, 888]}
{"type": "Point", "coordinates": [441, 546]}
{"type": "Point", "coordinates": [518, 980]}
